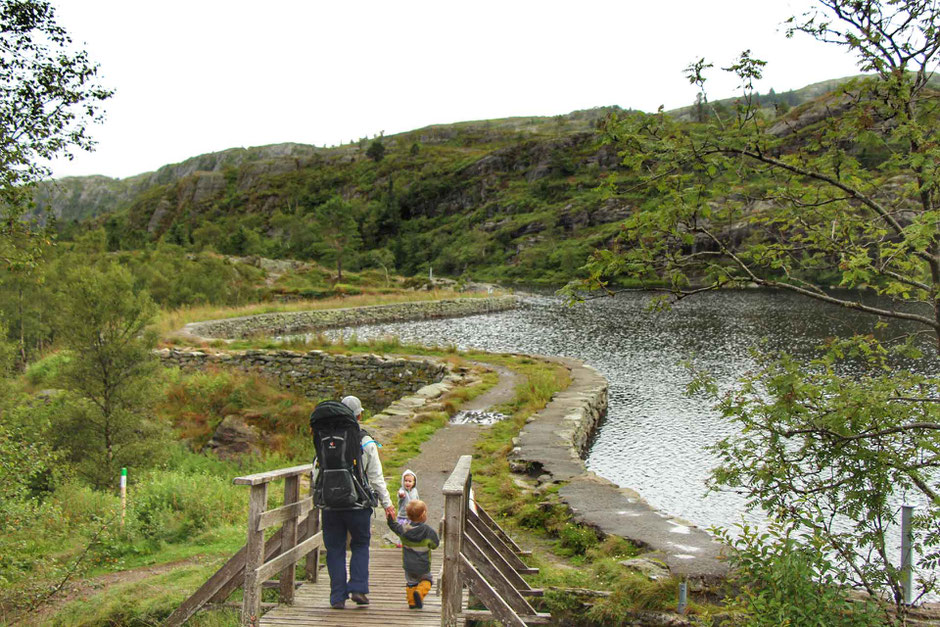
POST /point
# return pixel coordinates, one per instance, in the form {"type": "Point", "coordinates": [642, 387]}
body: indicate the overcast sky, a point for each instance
{"type": "Point", "coordinates": [199, 76]}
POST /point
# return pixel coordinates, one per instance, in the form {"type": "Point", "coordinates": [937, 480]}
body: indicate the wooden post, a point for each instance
{"type": "Point", "coordinates": [123, 495]}
{"type": "Point", "coordinates": [313, 528]}
{"type": "Point", "coordinates": [254, 556]}
{"type": "Point", "coordinates": [455, 499]}
{"type": "Point", "coordinates": [289, 540]}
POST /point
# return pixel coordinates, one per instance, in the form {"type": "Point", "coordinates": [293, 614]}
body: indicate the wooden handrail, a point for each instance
{"type": "Point", "coordinates": [257, 570]}
{"type": "Point", "coordinates": [271, 475]}
{"type": "Point", "coordinates": [482, 556]}
{"type": "Point", "coordinates": [456, 484]}
{"type": "Point", "coordinates": [258, 561]}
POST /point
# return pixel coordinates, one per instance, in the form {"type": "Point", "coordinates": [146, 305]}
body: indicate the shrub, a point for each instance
{"type": "Point", "coordinates": [787, 580]}
{"type": "Point", "coordinates": [576, 539]}
{"type": "Point", "coordinates": [171, 506]}
{"type": "Point", "coordinates": [46, 371]}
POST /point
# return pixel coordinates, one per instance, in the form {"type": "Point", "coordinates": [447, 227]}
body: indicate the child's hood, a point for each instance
{"type": "Point", "coordinates": [409, 472]}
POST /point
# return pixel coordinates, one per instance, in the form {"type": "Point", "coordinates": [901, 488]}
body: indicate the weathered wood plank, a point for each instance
{"type": "Point", "coordinates": [505, 537]}
{"type": "Point", "coordinates": [495, 576]}
{"type": "Point", "coordinates": [288, 574]}
{"type": "Point", "coordinates": [388, 607]}
{"type": "Point", "coordinates": [271, 475]}
{"type": "Point", "coordinates": [233, 569]}
{"type": "Point", "coordinates": [272, 547]}
{"type": "Point", "coordinates": [451, 583]}
{"type": "Point", "coordinates": [495, 557]}
{"type": "Point", "coordinates": [457, 481]}
{"type": "Point", "coordinates": [285, 512]}
{"type": "Point", "coordinates": [532, 592]}
{"type": "Point", "coordinates": [485, 592]}
{"type": "Point", "coordinates": [288, 557]}
{"type": "Point", "coordinates": [508, 554]}
{"type": "Point", "coordinates": [251, 602]}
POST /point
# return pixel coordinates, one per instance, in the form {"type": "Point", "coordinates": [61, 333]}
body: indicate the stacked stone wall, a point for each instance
{"type": "Point", "coordinates": [377, 381]}
{"type": "Point", "coordinates": [290, 323]}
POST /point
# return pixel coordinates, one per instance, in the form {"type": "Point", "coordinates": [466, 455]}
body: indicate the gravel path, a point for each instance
{"type": "Point", "coordinates": [440, 453]}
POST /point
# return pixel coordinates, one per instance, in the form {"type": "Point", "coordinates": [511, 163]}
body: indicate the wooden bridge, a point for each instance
{"type": "Point", "coordinates": [477, 555]}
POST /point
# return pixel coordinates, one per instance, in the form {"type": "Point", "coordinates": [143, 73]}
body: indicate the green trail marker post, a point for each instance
{"type": "Point", "coordinates": [123, 494]}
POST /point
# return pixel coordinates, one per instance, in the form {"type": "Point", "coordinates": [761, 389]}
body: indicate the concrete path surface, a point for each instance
{"type": "Point", "coordinates": [550, 446]}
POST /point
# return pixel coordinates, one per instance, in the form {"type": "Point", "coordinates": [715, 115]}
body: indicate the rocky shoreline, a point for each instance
{"type": "Point", "coordinates": [549, 450]}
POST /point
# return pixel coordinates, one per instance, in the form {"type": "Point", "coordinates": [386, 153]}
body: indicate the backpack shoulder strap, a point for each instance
{"type": "Point", "coordinates": [365, 434]}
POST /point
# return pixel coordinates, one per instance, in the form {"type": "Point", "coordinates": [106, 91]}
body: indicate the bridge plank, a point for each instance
{"type": "Point", "coordinates": [457, 482]}
{"type": "Point", "coordinates": [220, 585]}
{"type": "Point", "coordinates": [388, 606]}
{"type": "Point", "coordinates": [496, 557]}
{"type": "Point", "coordinates": [486, 615]}
{"type": "Point", "coordinates": [289, 574]}
{"type": "Point", "coordinates": [495, 576]}
{"type": "Point", "coordinates": [492, 524]}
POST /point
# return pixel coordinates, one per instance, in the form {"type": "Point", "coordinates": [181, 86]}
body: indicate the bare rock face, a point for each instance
{"type": "Point", "coordinates": [807, 116]}
{"type": "Point", "coordinates": [234, 437]}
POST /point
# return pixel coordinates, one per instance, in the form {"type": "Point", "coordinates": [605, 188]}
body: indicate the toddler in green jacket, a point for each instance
{"type": "Point", "coordinates": [417, 541]}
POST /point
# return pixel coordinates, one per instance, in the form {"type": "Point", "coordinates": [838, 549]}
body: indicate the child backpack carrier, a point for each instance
{"type": "Point", "coordinates": [341, 482]}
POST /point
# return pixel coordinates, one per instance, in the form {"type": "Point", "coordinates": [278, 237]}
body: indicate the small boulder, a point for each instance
{"type": "Point", "coordinates": [653, 569]}
{"type": "Point", "coordinates": [234, 437]}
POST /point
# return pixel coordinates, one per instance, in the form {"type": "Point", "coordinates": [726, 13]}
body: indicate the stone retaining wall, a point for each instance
{"type": "Point", "coordinates": [549, 450]}
{"type": "Point", "coordinates": [290, 323]}
{"type": "Point", "coordinates": [376, 380]}
{"type": "Point", "coordinates": [554, 440]}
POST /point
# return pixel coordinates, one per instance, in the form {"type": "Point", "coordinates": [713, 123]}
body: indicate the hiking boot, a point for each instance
{"type": "Point", "coordinates": [359, 598]}
{"type": "Point", "coordinates": [338, 606]}
{"type": "Point", "coordinates": [418, 602]}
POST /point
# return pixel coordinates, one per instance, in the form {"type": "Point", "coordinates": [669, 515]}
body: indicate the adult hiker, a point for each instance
{"type": "Point", "coordinates": [348, 484]}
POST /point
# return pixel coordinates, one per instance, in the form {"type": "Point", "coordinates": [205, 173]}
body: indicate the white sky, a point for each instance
{"type": "Point", "coordinates": [199, 76]}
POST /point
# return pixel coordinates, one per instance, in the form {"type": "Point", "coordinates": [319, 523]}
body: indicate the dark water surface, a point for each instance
{"type": "Point", "coordinates": [655, 436]}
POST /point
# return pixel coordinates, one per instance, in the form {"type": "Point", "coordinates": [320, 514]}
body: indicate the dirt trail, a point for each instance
{"type": "Point", "coordinates": [84, 589]}
{"type": "Point", "coordinates": [441, 452]}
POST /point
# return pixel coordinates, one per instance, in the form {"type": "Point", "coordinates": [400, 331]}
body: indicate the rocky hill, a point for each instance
{"type": "Point", "coordinates": [509, 199]}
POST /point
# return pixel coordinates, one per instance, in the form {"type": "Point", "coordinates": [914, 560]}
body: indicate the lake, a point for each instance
{"type": "Point", "coordinates": [655, 436]}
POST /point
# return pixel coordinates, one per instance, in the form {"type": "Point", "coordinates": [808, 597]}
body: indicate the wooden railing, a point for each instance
{"type": "Point", "coordinates": [258, 561]}
{"type": "Point", "coordinates": [478, 553]}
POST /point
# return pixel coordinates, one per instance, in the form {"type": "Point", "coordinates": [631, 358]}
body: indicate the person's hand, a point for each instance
{"type": "Point", "coordinates": [401, 494]}
{"type": "Point", "coordinates": [390, 511]}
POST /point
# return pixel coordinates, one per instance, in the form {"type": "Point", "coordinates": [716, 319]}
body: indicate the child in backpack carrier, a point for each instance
{"type": "Point", "coordinates": [417, 539]}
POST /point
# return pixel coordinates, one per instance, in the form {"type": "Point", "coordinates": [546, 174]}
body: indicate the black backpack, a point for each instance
{"type": "Point", "coordinates": [341, 482]}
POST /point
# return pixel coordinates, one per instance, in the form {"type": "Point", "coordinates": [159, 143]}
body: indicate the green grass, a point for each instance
{"type": "Point", "coordinates": [145, 602]}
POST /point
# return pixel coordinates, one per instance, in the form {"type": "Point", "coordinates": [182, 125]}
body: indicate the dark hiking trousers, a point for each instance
{"type": "Point", "coordinates": [358, 522]}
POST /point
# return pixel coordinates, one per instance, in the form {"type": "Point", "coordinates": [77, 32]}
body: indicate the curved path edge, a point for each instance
{"type": "Point", "coordinates": [549, 450]}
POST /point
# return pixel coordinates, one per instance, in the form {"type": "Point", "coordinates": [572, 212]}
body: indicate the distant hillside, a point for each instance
{"type": "Point", "coordinates": [515, 199]}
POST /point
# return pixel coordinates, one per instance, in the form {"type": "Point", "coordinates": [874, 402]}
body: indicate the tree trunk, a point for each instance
{"type": "Point", "coordinates": [19, 308]}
